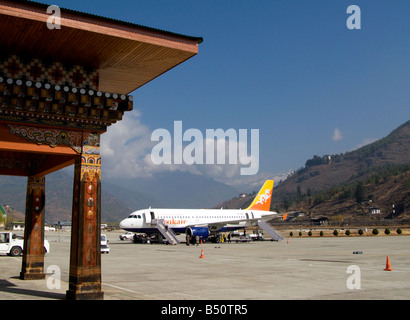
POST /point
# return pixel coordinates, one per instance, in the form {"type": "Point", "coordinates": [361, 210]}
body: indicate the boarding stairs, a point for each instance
{"type": "Point", "coordinates": [168, 233]}
{"type": "Point", "coordinates": [268, 229]}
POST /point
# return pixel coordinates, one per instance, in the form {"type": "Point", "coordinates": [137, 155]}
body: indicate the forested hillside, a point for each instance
{"type": "Point", "coordinates": [376, 175]}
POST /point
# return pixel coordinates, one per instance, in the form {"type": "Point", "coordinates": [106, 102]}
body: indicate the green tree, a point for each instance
{"type": "Point", "coordinates": [359, 192]}
{"type": "Point", "coordinates": [286, 203]}
{"type": "Point", "coordinates": [299, 193]}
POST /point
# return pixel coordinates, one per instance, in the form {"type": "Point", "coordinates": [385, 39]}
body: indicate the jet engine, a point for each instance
{"type": "Point", "coordinates": [201, 232]}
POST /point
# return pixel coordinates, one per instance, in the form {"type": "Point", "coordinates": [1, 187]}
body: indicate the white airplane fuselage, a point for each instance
{"type": "Point", "coordinates": [144, 221]}
{"type": "Point", "coordinates": [203, 223]}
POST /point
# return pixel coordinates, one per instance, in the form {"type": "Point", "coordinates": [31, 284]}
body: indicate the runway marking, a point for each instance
{"type": "Point", "coordinates": [120, 288]}
{"type": "Point", "coordinates": [318, 260]}
{"type": "Point", "coordinates": [147, 295]}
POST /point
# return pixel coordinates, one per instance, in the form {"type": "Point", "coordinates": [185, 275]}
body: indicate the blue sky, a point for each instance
{"type": "Point", "coordinates": [290, 68]}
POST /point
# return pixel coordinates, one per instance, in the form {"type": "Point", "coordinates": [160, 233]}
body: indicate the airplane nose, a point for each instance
{"type": "Point", "coordinates": [123, 224]}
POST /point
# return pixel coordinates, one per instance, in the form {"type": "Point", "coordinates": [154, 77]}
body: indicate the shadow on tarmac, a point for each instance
{"type": "Point", "coordinates": [7, 286]}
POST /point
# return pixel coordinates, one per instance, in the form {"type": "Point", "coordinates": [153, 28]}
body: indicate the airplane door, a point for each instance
{"type": "Point", "coordinates": [147, 217]}
{"type": "Point", "coordinates": [249, 217]}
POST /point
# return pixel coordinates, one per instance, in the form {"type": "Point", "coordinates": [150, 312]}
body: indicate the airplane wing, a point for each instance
{"type": "Point", "coordinates": [231, 223]}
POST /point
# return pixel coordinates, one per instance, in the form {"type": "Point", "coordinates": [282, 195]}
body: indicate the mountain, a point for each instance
{"type": "Point", "coordinates": [119, 197]}
{"type": "Point", "coordinates": [59, 188]}
{"type": "Point", "coordinates": [388, 158]}
{"type": "Point", "coordinates": [324, 185]}
{"type": "Point", "coordinates": [178, 190]}
{"type": "Point", "coordinates": [324, 172]}
{"type": "Point", "coordinates": [387, 186]}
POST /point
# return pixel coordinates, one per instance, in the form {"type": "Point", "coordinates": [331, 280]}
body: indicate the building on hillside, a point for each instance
{"type": "Point", "coordinates": [292, 215]}
{"type": "Point", "coordinates": [17, 226]}
{"type": "Point", "coordinates": [319, 221]}
{"type": "Point", "coordinates": [374, 210]}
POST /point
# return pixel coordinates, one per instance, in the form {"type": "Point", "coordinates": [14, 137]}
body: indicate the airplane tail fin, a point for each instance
{"type": "Point", "coordinates": [263, 198]}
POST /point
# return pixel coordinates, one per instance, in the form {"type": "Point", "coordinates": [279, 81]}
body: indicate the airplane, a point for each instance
{"type": "Point", "coordinates": [204, 223]}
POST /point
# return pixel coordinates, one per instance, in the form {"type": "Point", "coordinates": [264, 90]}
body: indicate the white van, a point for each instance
{"type": "Point", "coordinates": [12, 244]}
{"type": "Point", "coordinates": [105, 248]}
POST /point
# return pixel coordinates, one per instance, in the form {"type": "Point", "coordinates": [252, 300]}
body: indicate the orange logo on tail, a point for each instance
{"type": "Point", "coordinates": [263, 199]}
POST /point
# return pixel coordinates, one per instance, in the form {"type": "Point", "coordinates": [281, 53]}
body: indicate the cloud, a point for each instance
{"type": "Point", "coordinates": [127, 152]}
{"type": "Point", "coordinates": [337, 135]}
{"type": "Point", "coordinates": [124, 148]}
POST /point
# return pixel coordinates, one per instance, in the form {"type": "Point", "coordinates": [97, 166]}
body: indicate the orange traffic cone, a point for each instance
{"type": "Point", "coordinates": [388, 268]}
{"type": "Point", "coordinates": [202, 254]}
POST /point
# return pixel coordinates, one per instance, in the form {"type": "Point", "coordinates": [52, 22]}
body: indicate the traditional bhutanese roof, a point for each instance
{"type": "Point", "coordinates": [126, 55]}
{"type": "Point", "coordinates": [61, 87]}
{"type": "Point", "coordinates": [79, 75]}
{"type": "Point", "coordinates": [86, 14]}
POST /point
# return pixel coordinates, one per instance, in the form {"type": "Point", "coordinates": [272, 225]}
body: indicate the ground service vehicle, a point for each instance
{"type": "Point", "coordinates": [12, 244]}
{"type": "Point", "coordinates": [128, 236]}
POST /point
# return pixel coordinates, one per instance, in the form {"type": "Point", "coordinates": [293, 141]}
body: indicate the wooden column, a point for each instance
{"type": "Point", "coordinates": [33, 253]}
{"type": "Point", "coordinates": [85, 259]}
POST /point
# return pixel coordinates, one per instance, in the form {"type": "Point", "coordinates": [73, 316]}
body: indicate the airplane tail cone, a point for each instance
{"type": "Point", "coordinates": [202, 254]}
{"type": "Point", "coordinates": [388, 268]}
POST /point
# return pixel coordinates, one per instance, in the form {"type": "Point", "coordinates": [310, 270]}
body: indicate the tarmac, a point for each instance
{"type": "Point", "coordinates": [329, 268]}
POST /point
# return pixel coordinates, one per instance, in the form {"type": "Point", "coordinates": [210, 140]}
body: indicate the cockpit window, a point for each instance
{"type": "Point", "coordinates": [135, 216]}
